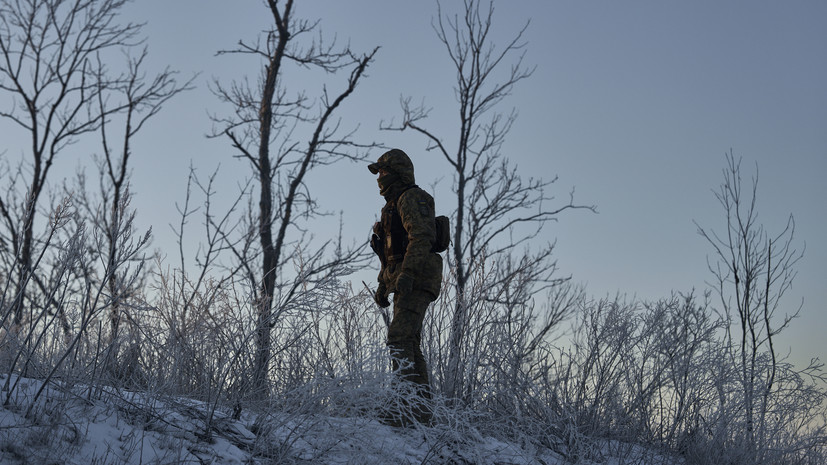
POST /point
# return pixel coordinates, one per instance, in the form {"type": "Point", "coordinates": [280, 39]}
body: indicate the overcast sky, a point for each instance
{"type": "Point", "coordinates": [632, 103]}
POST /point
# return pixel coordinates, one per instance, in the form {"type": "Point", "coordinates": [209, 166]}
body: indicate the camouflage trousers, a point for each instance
{"type": "Point", "coordinates": [404, 340]}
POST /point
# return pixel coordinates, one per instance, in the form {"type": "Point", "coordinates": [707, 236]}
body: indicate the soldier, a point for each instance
{"type": "Point", "coordinates": [404, 239]}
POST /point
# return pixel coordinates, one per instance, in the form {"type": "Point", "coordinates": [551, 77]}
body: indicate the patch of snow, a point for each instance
{"type": "Point", "coordinates": [70, 427]}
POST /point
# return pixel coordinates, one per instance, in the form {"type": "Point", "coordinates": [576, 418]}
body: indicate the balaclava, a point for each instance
{"type": "Point", "coordinates": [399, 173]}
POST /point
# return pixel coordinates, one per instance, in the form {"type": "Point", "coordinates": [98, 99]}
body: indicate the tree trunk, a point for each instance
{"type": "Point", "coordinates": [269, 252]}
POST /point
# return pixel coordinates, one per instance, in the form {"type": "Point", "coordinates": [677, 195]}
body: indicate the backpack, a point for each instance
{"type": "Point", "coordinates": [443, 234]}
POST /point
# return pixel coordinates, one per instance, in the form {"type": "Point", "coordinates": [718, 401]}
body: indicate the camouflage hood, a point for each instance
{"type": "Point", "coordinates": [400, 172]}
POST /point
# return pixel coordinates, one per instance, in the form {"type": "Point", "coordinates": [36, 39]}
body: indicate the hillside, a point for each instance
{"type": "Point", "coordinates": [117, 427]}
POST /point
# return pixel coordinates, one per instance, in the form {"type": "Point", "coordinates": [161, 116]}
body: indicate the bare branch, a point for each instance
{"type": "Point", "coordinates": [264, 131]}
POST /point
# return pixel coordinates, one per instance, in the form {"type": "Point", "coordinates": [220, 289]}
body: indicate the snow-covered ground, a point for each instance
{"type": "Point", "coordinates": [70, 426]}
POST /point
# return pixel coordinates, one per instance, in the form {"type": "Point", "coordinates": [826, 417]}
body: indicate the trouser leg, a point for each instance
{"type": "Point", "coordinates": [405, 335]}
{"type": "Point", "coordinates": [404, 341]}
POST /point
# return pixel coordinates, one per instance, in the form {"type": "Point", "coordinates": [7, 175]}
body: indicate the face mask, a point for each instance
{"type": "Point", "coordinates": [385, 181]}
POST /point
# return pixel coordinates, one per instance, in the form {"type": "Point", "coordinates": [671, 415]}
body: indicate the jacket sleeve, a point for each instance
{"type": "Point", "coordinates": [416, 208]}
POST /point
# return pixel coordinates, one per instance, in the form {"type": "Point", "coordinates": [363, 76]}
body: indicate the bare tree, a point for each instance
{"type": "Point", "coordinates": [141, 99]}
{"type": "Point", "coordinates": [117, 256]}
{"type": "Point", "coordinates": [753, 271]}
{"type": "Point", "coordinates": [497, 210]}
{"type": "Point", "coordinates": [283, 138]}
{"type": "Point", "coordinates": [48, 53]}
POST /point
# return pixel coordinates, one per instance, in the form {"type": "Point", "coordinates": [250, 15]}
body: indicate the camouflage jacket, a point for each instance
{"type": "Point", "coordinates": [409, 250]}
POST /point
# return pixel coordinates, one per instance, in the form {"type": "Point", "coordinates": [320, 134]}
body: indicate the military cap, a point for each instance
{"type": "Point", "coordinates": [393, 160]}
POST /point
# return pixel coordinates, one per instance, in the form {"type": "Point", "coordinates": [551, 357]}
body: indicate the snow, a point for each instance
{"type": "Point", "coordinates": [79, 426]}
{"type": "Point", "coordinates": [135, 428]}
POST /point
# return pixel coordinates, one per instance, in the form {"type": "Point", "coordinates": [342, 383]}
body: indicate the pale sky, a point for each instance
{"type": "Point", "coordinates": [633, 103]}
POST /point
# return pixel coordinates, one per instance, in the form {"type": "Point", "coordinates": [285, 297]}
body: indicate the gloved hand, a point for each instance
{"type": "Point", "coordinates": [404, 284]}
{"type": "Point", "coordinates": [381, 296]}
